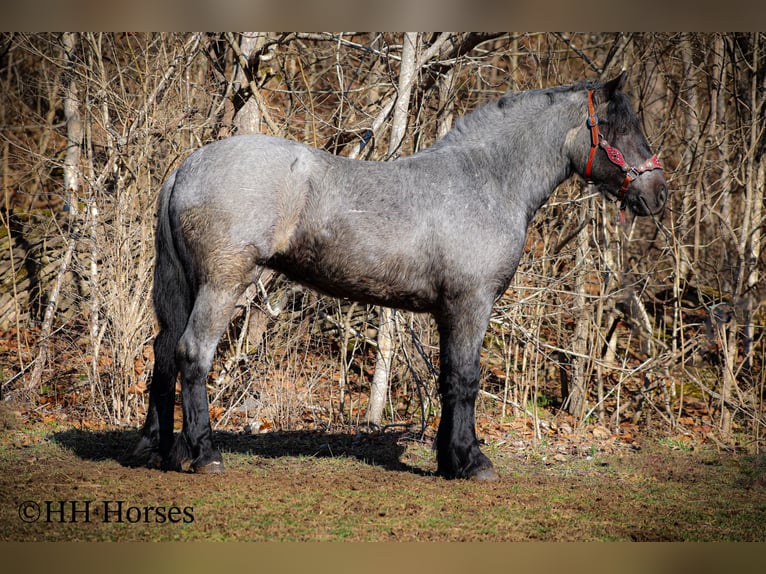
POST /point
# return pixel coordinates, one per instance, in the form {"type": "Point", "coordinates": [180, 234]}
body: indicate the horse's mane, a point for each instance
{"type": "Point", "coordinates": [487, 116]}
{"type": "Point", "coordinates": [511, 97]}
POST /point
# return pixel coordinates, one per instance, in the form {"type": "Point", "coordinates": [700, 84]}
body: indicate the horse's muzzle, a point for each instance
{"type": "Point", "coordinates": [648, 194]}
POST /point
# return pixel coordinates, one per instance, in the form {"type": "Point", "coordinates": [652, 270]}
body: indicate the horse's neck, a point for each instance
{"type": "Point", "coordinates": [525, 171]}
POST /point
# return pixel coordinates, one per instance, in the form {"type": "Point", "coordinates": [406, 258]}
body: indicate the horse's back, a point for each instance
{"type": "Point", "coordinates": [231, 171]}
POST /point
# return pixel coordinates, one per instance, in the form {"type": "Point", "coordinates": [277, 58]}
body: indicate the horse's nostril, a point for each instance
{"type": "Point", "coordinates": [662, 193]}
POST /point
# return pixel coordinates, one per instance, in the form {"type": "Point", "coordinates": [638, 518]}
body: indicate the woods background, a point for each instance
{"type": "Point", "coordinates": [656, 325]}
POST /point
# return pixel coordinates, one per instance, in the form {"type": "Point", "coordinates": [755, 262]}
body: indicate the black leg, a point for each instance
{"type": "Point", "coordinates": [461, 332]}
{"type": "Point", "coordinates": [171, 307]}
{"type": "Point", "coordinates": [157, 435]}
{"type": "Point", "coordinates": [194, 447]}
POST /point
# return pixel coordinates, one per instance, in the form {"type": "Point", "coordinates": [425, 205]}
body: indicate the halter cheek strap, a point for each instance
{"type": "Point", "coordinates": [613, 155]}
{"type": "Point", "coordinates": [595, 134]}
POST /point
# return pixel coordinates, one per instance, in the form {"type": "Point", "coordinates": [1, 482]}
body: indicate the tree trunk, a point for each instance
{"type": "Point", "coordinates": [754, 198]}
{"type": "Point", "coordinates": [71, 183]}
{"type": "Point", "coordinates": [248, 119]}
{"type": "Point", "coordinates": [384, 355]}
{"type": "Point", "coordinates": [687, 225]}
{"type": "Point", "coordinates": [578, 387]}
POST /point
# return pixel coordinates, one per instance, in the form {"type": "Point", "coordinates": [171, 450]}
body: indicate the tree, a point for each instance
{"type": "Point", "coordinates": [386, 326]}
{"type": "Point", "coordinates": [72, 179]}
{"type": "Point", "coordinates": [631, 320]}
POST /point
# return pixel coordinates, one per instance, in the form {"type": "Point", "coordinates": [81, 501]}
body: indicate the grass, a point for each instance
{"type": "Point", "coordinates": [288, 487]}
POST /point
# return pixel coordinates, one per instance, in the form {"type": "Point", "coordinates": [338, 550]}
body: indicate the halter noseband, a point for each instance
{"type": "Point", "coordinates": [614, 155]}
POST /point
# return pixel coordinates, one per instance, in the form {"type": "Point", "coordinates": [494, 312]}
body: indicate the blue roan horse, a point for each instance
{"type": "Point", "coordinates": [441, 232]}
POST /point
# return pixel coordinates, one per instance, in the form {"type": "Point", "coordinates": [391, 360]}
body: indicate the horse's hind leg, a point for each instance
{"type": "Point", "coordinates": [461, 332]}
{"type": "Point", "coordinates": [212, 310]}
{"type": "Point", "coordinates": [171, 303]}
{"type": "Point", "coordinates": [157, 433]}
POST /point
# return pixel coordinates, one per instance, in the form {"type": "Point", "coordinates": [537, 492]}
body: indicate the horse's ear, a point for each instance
{"type": "Point", "coordinates": [613, 86]}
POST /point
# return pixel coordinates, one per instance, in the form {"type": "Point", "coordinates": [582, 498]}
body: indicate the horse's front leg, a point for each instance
{"type": "Point", "coordinates": [461, 333]}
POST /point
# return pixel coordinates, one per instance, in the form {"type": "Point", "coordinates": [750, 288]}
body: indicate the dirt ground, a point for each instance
{"type": "Point", "coordinates": [61, 483]}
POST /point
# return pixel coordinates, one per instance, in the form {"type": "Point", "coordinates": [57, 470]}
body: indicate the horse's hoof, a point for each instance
{"type": "Point", "coordinates": [211, 467]}
{"type": "Point", "coordinates": [156, 461]}
{"type": "Point", "coordinates": [485, 475]}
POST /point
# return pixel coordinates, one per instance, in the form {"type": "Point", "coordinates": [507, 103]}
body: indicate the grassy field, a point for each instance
{"type": "Point", "coordinates": [63, 484]}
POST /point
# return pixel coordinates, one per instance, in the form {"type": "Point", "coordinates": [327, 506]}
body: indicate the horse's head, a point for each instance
{"type": "Point", "coordinates": [619, 160]}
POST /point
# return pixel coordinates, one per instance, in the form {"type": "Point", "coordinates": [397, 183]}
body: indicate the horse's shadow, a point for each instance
{"type": "Point", "coordinates": [383, 449]}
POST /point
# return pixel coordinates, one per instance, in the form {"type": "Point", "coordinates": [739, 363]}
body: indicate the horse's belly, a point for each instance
{"type": "Point", "coordinates": [379, 283]}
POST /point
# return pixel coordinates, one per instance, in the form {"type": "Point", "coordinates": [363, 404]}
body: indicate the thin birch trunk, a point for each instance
{"type": "Point", "coordinates": [249, 119]}
{"type": "Point", "coordinates": [756, 177]}
{"type": "Point", "coordinates": [692, 135]}
{"type": "Point", "coordinates": [386, 327]}
{"type": "Point", "coordinates": [258, 112]}
{"type": "Point", "coordinates": [578, 387]}
{"type": "Point", "coordinates": [71, 184]}
{"type": "Point", "coordinates": [748, 248]}
{"type": "Point", "coordinates": [446, 103]}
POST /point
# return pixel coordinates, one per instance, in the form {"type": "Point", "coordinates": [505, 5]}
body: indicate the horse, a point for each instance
{"type": "Point", "coordinates": [440, 231]}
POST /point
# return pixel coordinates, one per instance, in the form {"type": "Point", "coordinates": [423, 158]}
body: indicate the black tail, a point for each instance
{"type": "Point", "coordinates": [172, 296]}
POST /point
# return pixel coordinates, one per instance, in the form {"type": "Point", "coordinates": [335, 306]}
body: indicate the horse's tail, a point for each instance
{"type": "Point", "coordinates": [172, 292]}
{"type": "Point", "coordinates": [172, 297]}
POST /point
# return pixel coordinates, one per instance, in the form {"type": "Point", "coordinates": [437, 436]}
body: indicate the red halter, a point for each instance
{"type": "Point", "coordinates": [614, 155]}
